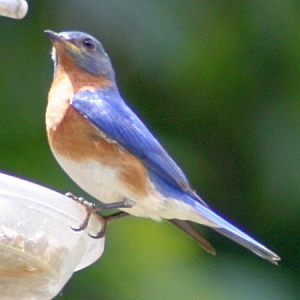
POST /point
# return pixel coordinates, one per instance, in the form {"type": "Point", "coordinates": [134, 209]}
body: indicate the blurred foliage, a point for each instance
{"type": "Point", "coordinates": [219, 83]}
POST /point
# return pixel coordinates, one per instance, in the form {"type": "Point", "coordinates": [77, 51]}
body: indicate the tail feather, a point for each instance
{"type": "Point", "coordinates": [249, 243]}
{"type": "Point", "coordinates": [233, 233]}
{"type": "Point", "coordinates": [192, 232]}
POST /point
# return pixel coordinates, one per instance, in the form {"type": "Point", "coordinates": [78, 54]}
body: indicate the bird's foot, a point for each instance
{"type": "Point", "coordinates": [94, 209]}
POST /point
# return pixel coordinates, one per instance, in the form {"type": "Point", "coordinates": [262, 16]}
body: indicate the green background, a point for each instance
{"type": "Point", "coordinates": [219, 84]}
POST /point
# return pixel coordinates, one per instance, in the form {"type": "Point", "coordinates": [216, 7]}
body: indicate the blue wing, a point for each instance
{"type": "Point", "coordinates": [107, 110]}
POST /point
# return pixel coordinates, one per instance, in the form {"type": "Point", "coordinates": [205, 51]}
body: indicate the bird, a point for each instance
{"type": "Point", "coordinates": [105, 148]}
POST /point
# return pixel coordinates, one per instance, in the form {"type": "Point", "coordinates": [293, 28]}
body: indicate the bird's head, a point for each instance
{"type": "Point", "coordinates": [83, 49]}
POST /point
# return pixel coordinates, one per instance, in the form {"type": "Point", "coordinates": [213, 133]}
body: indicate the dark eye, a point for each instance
{"type": "Point", "coordinates": [89, 43]}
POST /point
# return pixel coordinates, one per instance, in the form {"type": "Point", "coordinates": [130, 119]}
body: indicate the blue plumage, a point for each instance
{"type": "Point", "coordinates": [172, 198]}
{"type": "Point", "coordinates": [107, 110]}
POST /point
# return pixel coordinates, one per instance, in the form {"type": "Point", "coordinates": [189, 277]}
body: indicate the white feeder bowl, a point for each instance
{"type": "Point", "coordinates": [38, 249]}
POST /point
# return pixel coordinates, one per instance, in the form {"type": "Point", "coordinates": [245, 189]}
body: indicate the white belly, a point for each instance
{"type": "Point", "coordinates": [103, 184]}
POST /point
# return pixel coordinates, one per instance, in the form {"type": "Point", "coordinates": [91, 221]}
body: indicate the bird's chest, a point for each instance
{"type": "Point", "coordinates": [69, 133]}
{"type": "Point", "coordinates": [97, 164]}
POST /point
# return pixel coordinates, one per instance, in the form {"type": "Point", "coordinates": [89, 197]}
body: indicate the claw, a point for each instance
{"type": "Point", "coordinates": [85, 222]}
{"type": "Point", "coordinates": [92, 208]}
{"type": "Point", "coordinates": [105, 220]}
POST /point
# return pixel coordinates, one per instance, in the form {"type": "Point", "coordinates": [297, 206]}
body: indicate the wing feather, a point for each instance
{"type": "Point", "coordinates": [107, 110]}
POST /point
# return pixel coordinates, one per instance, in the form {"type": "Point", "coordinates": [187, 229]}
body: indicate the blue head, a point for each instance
{"type": "Point", "coordinates": [86, 52]}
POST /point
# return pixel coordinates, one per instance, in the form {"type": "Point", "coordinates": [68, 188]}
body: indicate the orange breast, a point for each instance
{"type": "Point", "coordinates": [70, 134]}
{"type": "Point", "coordinates": [77, 139]}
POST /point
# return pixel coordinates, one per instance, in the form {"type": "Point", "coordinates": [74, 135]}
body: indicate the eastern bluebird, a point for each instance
{"type": "Point", "coordinates": [106, 149]}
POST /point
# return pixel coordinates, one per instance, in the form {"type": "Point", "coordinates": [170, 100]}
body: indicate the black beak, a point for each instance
{"type": "Point", "coordinates": [54, 37]}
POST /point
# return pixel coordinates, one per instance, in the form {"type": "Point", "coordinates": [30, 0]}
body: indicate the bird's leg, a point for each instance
{"type": "Point", "coordinates": [126, 203]}
{"type": "Point", "coordinates": [104, 220]}
{"type": "Point", "coordinates": [92, 208]}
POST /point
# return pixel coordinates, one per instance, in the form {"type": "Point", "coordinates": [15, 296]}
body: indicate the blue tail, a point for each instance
{"type": "Point", "coordinates": [233, 233]}
{"type": "Point", "coordinates": [219, 224]}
